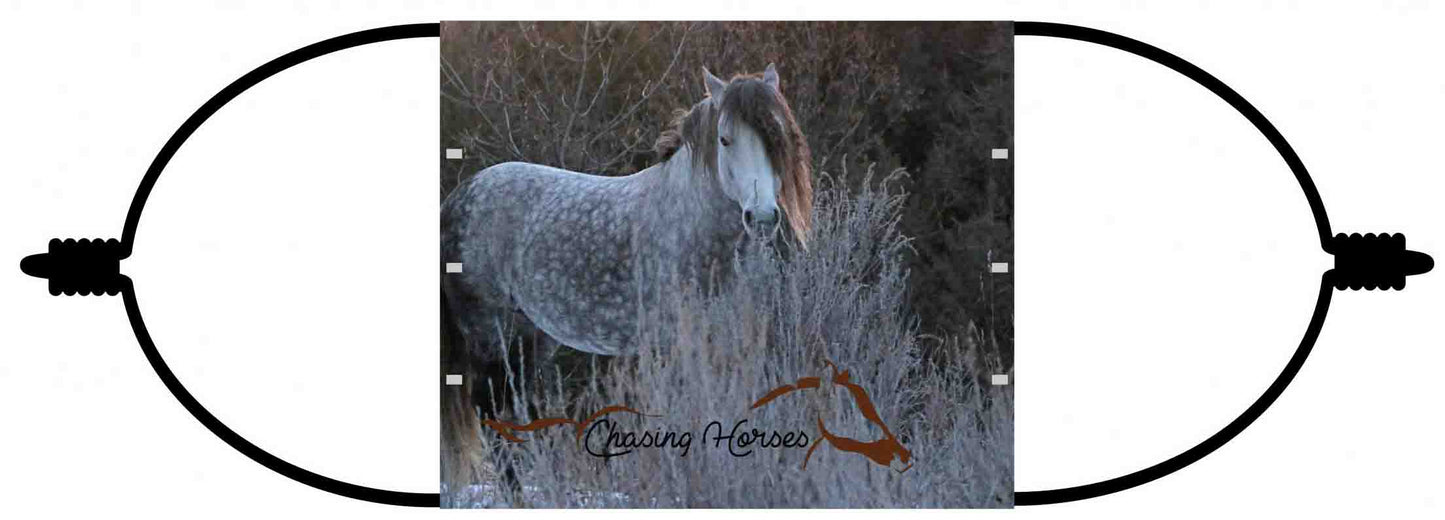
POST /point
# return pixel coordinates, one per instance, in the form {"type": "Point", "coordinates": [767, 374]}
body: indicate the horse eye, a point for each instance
{"type": "Point", "coordinates": [725, 141]}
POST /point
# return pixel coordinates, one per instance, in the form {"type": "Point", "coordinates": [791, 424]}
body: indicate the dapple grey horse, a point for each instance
{"type": "Point", "coordinates": [572, 256]}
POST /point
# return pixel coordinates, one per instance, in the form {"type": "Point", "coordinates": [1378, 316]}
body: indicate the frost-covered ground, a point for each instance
{"type": "Point", "coordinates": [488, 496]}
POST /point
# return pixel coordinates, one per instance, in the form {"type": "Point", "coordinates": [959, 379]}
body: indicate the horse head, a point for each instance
{"type": "Point", "coordinates": [762, 159]}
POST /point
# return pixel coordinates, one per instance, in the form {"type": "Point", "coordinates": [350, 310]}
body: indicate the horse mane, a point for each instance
{"type": "Point", "coordinates": [695, 127]}
{"type": "Point", "coordinates": [750, 99]}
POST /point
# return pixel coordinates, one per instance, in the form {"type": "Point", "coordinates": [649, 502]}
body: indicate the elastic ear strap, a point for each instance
{"type": "Point", "coordinates": [93, 266]}
{"type": "Point", "coordinates": [1368, 262]}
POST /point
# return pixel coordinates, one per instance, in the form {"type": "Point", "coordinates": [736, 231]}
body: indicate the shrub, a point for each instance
{"type": "Point", "coordinates": [842, 301]}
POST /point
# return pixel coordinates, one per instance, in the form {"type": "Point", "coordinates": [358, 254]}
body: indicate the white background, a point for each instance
{"type": "Point", "coordinates": [1167, 262]}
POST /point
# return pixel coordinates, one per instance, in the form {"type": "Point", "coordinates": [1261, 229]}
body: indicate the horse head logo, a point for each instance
{"type": "Point", "coordinates": [884, 452]}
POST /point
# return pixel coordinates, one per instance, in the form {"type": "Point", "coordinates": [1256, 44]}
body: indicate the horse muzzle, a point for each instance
{"type": "Point", "coordinates": [760, 221]}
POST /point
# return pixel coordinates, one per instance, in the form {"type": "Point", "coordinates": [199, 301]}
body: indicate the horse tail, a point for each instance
{"type": "Point", "coordinates": [461, 429]}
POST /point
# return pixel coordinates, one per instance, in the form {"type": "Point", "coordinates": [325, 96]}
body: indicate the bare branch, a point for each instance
{"type": "Point", "coordinates": [647, 90]}
{"type": "Point", "coordinates": [576, 100]}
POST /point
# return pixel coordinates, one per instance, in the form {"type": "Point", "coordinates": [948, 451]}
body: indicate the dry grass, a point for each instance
{"type": "Point", "coordinates": [845, 301]}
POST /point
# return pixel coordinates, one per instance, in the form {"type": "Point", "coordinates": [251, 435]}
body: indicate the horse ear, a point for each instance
{"type": "Point", "coordinates": [770, 76]}
{"type": "Point", "coordinates": [714, 85]}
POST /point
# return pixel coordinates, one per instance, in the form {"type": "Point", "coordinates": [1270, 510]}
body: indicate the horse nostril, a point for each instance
{"type": "Point", "coordinates": [768, 219]}
{"type": "Point", "coordinates": [748, 217]}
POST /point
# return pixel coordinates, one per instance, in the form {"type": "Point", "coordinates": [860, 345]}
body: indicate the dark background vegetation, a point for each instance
{"type": "Point", "coordinates": [933, 98]}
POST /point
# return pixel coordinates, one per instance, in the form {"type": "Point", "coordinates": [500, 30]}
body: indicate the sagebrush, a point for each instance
{"type": "Point", "coordinates": [785, 314]}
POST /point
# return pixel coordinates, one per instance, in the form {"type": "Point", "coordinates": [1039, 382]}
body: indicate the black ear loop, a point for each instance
{"type": "Point", "coordinates": [93, 266]}
{"type": "Point", "coordinates": [1367, 261]}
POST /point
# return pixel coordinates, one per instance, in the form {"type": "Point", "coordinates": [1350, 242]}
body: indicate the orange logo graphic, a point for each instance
{"type": "Point", "coordinates": [506, 430]}
{"type": "Point", "coordinates": [882, 451]}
